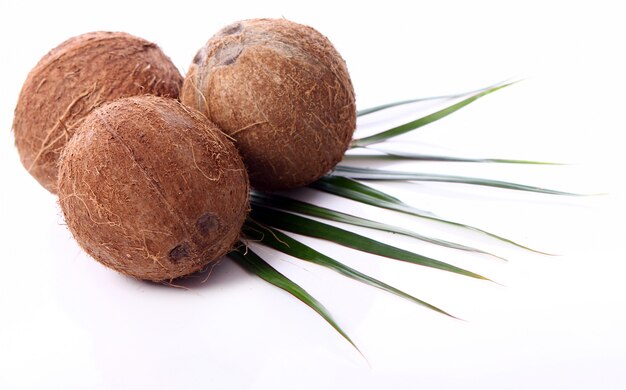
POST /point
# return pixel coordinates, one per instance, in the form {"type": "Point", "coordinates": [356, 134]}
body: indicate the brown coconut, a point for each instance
{"type": "Point", "coordinates": [283, 92]}
{"type": "Point", "coordinates": [152, 189]}
{"type": "Point", "coordinates": [73, 78]}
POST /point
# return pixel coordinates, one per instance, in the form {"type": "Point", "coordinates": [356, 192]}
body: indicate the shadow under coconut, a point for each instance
{"type": "Point", "coordinates": [223, 272]}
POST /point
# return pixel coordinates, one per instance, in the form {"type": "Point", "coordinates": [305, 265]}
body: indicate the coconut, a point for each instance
{"type": "Point", "coordinates": [283, 92]}
{"type": "Point", "coordinates": [151, 188]}
{"type": "Point", "coordinates": [73, 78]}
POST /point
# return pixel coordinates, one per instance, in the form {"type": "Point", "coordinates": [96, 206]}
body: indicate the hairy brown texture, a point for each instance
{"type": "Point", "coordinates": [152, 188]}
{"type": "Point", "coordinates": [282, 91]}
{"type": "Point", "coordinates": [73, 78]}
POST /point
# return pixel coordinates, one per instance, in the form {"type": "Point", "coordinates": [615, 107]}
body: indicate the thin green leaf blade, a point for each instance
{"type": "Point", "coordinates": [286, 244]}
{"type": "Point", "coordinates": [381, 107]}
{"type": "Point", "coordinates": [253, 263]}
{"type": "Point", "coordinates": [351, 189]}
{"type": "Point", "coordinates": [405, 128]}
{"type": "Point", "coordinates": [297, 206]}
{"type": "Point", "coordinates": [371, 110]}
{"type": "Point", "coordinates": [410, 101]}
{"type": "Point", "coordinates": [312, 228]}
{"type": "Point", "coordinates": [412, 156]}
{"type": "Point", "coordinates": [385, 175]}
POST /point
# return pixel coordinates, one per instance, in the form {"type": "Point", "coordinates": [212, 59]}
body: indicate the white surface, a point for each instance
{"type": "Point", "coordinates": [554, 322]}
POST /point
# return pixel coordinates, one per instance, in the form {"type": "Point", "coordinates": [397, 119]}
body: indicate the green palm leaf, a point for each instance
{"type": "Point", "coordinates": [290, 204]}
{"type": "Point", "coordinates": [405, 128]}
{"type": "Point", "coordinates": [251, 262]}
{"type": "Point", "coordinates": [378, 174]}
{"type": "Point", "coordinates": [283, 243]}
{"type": "Point", "coordinates": [312, 228]}
{"type": "Point", "coordinates": [410, 101]}
{"type": "Point", "coordinates": [403, 155]}
{"type": "Point", "coordinates": [352, 189]}
{"type": "Point", "coordinates": [381, 107]}
{"type": "Point", "coordinates": [271, 212]}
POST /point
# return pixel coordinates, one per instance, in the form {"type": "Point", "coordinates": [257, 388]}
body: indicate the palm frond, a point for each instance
{"type": "Point", "coordinates": [405, 128]}
{"type": "Point", "coordinates": [290, 204]}
{"type": "Point", "coordinates": [381, 107]}
{"type": "Point", "coordinates": [253, 263]}
{"type": "Point", "coordinates": [273, 213]}
{"type": "Point", "coordinates": [396, 156]}
{"type": "Point", "coordinates": [312, 228]}
{"type": "Point", "coordinates": [352, 189]}
{"type": "Point", "coordinates": [387, 175]}
{"type": "Point", "coordinates": [286, 244]}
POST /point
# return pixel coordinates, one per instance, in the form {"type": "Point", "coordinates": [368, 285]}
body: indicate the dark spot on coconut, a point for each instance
{"type": "Point", "coordinates": [136, 205]}
{"type": "Point", "coordinates": [232, 29]}
{"type": "Point", "coordinates": [207, 223]}
{"type": "Point", "coordinates": [178, 253]}
{"type": "Point", "coordinates": [228, 53]}
{"type": "Point", "coordinates": [198, 57]}
{"type": "Point", "coordinates": [301, 98]}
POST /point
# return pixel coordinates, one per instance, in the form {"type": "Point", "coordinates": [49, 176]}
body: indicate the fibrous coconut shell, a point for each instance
{"type": "Point", "coordinates": [283, 92]}
{"type": "Point", "coordinates": [152, 189]}
{"type": "Point", "coordinates": [74, 78]}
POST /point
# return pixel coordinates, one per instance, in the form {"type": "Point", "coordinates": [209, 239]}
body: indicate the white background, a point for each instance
{"type": "Point", "coordinates": [552, 322]}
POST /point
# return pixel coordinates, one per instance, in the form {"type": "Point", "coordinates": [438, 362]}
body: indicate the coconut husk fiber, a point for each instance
{"type": "Point", "coordinates": [282, 92]}
{"type": "Point", "coordinates": [152, 189]}
{"type": "Point", "coordinates": [74, 78]}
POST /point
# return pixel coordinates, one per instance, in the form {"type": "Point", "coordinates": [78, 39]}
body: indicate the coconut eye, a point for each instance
{"type": "Point", "coordinates": [199, 57]}
{"type": "Point", "coordinates": [178, 253]}
{"type": "Point", "coordinates": [232, 29]}
{"type": "Point", "coordinates": [228, 53]}
{"type": "Point", "coordinates": [288, 103]}
{"type": "Point", "coordinates": [207, 223]}
{"type": "Point", "coordinates": [168, 232]}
